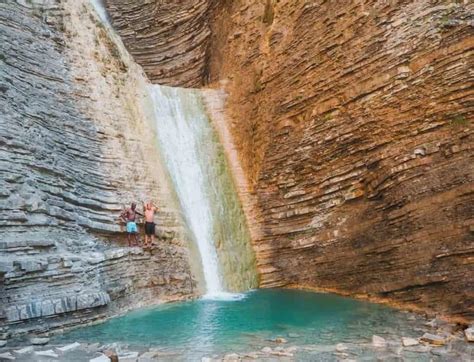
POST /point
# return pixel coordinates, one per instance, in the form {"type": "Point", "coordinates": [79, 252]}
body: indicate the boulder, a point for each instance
{"type": "Point", "coordinates": [340, 347]}
{"type": "Point", "coordinates": [280, 340]}
{"type": "Point", "coordinates": [267, 350]}
{"type": "Point", "coordinates": [3, 343]}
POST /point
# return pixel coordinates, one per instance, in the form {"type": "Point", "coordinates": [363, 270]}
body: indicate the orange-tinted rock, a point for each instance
{"type": "Point", "coordinates": [169, 39]}
{"type": "Point", "coordinates": [354, 126]}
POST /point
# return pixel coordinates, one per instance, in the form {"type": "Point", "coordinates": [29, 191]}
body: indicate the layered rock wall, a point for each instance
{"type": "Point", "coordinates": [169, 38]}
{"type": "Point", "coordinates": [353, 121]}
{"type": "Point", "coordinates": [76, 145]}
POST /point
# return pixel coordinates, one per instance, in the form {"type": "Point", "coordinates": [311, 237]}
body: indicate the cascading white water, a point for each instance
{"type": "Point", "coordinates": [198, 169]}
{"type": "Point", "coordinates": [183, 132]}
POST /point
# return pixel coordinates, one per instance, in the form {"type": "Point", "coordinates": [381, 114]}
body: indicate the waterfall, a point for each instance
{"type": "Point", "coordinates": [199, 172]}
{"type": "Point", "coordinates": [208, 198]}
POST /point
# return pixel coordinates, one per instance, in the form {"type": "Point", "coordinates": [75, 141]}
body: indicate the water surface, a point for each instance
{"type": "Point", "coordinates": [205, 327]}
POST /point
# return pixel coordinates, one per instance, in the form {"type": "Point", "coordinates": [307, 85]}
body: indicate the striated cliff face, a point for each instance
{"type": "Point", "coordinates": [169, 38]}
{"type": "Point", "coordinates": [354, 125]}
{"type": "Point", "coordinates": [76, 145]}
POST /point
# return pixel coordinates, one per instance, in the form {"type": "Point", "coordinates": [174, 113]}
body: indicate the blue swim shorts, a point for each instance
{"type": "Point", "coordinates": [132, 227]}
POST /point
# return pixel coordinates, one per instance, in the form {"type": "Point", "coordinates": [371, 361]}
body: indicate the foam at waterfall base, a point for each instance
{"type": "Point", "coordinates": [224, 296]}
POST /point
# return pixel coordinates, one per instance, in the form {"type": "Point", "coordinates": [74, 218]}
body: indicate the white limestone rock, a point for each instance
{"type": "Point", "coordinates": [39, 341]}
{"type": "Point", "coordinates": [6, 357]}
{"type": "Point", "coordinates": [101, 358]}
{"type": "Point", "coordinates": [25, 350]}
{"type": "Point", "coordinates": [379, 342]}
{"type": "Point", "coordinates": [69, 347]}
{"type": "Point", "coordinates": [469, 333]}
{"type": "Point", "coordinates": [408, 342]}
{"type": "Point", "coordinates": [47, 353]}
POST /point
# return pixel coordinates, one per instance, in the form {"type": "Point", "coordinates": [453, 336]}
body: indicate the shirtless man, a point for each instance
{"type": "Point", "coordinates": [129, 217]}
{"type": "Point", "coordinates": [149, 209]}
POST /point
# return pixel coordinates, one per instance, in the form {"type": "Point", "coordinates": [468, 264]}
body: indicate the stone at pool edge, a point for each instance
{"type": "Point", "coordinates": [379, 342]}
{"type": "Point", "coordinates": [39, 341]}
{"type": "Point", "coordinates": [433, 339]}
{"type": "Point", "coordinates": [469, 334]}
{"type": "Point", "coordinates": [69, 347]}
{"type": "Point", "coordinates": [409, 342]}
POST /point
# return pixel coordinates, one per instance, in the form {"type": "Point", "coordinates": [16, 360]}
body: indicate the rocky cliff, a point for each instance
{"type": "Point", "coordinates": [353, 125]}
{"type": "Point", "coordinates": [76, 145]}
{"type": "Point", "coordinates": [170, 39]}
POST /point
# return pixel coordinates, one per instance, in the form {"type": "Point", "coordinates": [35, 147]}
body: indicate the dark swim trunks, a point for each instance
{"type": "Point", "coordinates": [150, 228]}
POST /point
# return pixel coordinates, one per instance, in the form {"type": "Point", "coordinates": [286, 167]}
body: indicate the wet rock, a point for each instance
{"type": "Point", "coordinates": [433, 339]}
{"type": "Point", "coordinates": [25, 350]}
{"type": "Point", "coordinates": [101, 358]}
{"type": "Point", "coordinates": [267, 350]}
{"type": "Point", "coordinates": [47, 353]}
{"type": "Point", "coordinates": [231, 357]}
{"type": "Point", "coordinates": [112, 356]}
{"type": "Point", "coordinates": [341, 347]}
{"type": "Point", "coordinates": [7, 356]}
{"type": "Point", "coordinates": [148, 356]}
{"type": "Point", "coordinates": [407, 342]}
{"type": "Point", "coordinates": [379, 342]}
{"type": "Point", "coordinates": [39, 341]}
{"type": "Point", "coordinates": [469, 334]}
{"type": "Point", "coordinates": [3, 343]}
{"type": "Point", "coordinates": [69, 347]}
{"type": "Point", "coordinates": [280, 340]}
{"type": "Point", "coordinates": [128, 357]}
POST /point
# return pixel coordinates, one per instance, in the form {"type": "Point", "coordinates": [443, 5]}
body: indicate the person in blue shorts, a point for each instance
{"type": "Point", "coordinates": [130, 216]}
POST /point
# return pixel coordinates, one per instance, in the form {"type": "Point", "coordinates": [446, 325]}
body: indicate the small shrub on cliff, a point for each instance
{"type": "Point", "coordinates": [459, 121]}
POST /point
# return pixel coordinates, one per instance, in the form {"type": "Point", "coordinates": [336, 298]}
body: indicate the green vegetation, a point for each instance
{"type": "Point", "coordinates": [459, 121]}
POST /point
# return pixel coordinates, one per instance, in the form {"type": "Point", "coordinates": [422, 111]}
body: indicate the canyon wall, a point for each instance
{"type": "Point", "coordinates": [169, 38]}
{"type": "Point", "coordinates": [77, 144]}
{"type": "Point", "coordinates": [353, 124]}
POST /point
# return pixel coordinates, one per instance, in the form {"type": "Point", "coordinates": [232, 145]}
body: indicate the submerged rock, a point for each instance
{"type": "Point", "coordinates": [267, 350]}
{"type": "Point", "coordinates": [340, 347]}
